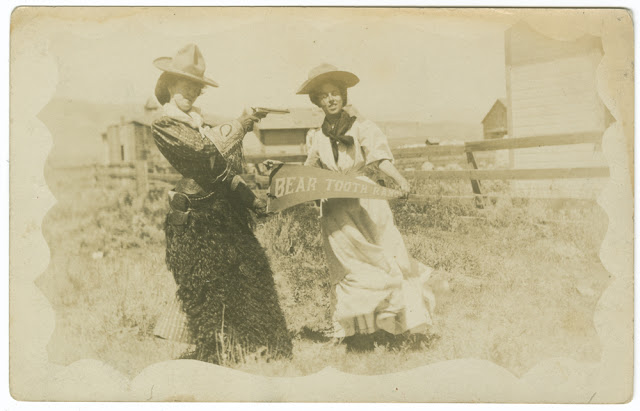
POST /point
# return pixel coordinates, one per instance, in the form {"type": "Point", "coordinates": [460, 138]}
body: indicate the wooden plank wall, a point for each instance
{"type": "Point", "coordinates": [552, 90]}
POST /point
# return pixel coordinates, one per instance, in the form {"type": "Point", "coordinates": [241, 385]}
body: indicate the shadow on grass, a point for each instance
{"type": "Point", "coordinates": [368, 342]}
{"type": "Point", "coordinates": [308, 334]}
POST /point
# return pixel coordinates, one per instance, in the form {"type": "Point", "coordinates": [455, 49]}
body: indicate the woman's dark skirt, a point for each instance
{"type": "Point", "coordinates": [226, 286]}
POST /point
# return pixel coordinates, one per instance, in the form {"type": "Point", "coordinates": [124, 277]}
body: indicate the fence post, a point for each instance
{"type": "Point", "coordinates": [95, 178]}
{"type": "Point", "coordinates": [142, 178]}
{"type": "Point", "coordinates": [475, 184]}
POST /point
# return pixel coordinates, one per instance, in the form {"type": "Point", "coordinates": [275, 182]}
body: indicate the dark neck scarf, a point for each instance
{"type": "Point", "coordinates": [336, 130]}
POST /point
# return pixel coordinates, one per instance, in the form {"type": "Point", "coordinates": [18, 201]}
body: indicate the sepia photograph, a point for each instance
{"type": "Point", "coordinates": [420, 204]}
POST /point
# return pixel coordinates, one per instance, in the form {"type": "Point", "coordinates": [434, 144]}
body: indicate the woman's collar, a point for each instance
{"type": "Point", "coordinates": [172, 108]}
{"type": "Point", "coordinates": [193, 117]}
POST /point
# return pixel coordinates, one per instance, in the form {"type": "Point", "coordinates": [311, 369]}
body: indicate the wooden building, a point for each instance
{"type": "Point", "coordinates": [128, 141]}
{"type": "Point", "coordinates": [552, 90]}
{"type": "Point", "coordinates": [131, 140]}
{"type": "Point", "coordinates": [494, 124]}
{"type": "Point", "coordinates": [287, 133]}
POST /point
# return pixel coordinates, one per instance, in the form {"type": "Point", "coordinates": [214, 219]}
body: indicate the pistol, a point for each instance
{"type": "Point", "coordinates": [265, 110]}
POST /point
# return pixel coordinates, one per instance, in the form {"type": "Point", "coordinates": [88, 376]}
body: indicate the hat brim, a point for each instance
{"type": "Point", "coordinates": [164, 64]}
{"type": "Point", "coordinates": [344, 77]}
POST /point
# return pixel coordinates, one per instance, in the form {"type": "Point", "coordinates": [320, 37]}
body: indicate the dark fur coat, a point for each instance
{"type": "Point", "coordinates": [225, 283]}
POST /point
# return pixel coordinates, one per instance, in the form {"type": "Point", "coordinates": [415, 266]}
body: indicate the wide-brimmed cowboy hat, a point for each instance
{"type": "Point", "coordinates": [187, 63]}
{"type": "Point", "coordinates": [327, 72]}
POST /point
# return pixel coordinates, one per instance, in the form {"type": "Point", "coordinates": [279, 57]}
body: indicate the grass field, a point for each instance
{"type": "Point", "coordinates": [524, 280]}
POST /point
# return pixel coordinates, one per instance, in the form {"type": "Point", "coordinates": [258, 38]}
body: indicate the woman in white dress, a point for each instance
{"type": "Point", "coordinates": [376, 286]}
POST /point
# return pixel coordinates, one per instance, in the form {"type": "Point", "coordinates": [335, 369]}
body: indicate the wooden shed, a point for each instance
{"type": "Point", "coordinates": [494, 124]}
{"type": "Point", "coordinates": [287, 133]}
{"type": "Point", "coordinates": [551, 91]}
{"type": "Point", "coordinates": [131, 139]}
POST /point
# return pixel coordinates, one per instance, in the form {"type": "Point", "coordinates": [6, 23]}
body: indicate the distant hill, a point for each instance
{"type": "Point", "coordinates": [414, 132]}
{"type": "Point", "coordinates": [77, 128]}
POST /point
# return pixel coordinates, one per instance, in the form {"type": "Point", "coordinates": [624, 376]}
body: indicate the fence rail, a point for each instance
{"type": "Point", "coordinates": [532, 142]}
{"type": "Point", "coordinates": [521, 174]}
{"type": "Point", "coordinates": [143, 172]}
{"type": "Point", "coordinates": [494, 145]}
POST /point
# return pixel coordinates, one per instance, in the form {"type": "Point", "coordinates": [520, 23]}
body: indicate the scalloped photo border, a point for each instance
{"type": "Point", "coordinates": [33, 80]}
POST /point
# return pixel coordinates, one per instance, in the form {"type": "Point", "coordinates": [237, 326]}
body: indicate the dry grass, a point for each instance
{"type": "Point", "coordinates": [524, 281]}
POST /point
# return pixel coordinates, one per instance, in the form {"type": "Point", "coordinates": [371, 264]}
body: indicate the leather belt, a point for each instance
{"type": "Point", "coordinates": [184, 202]}
{"type": "Point", "coordinates": [187, 196]}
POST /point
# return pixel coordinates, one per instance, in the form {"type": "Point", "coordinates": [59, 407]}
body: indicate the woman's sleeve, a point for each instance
{"type": "Point", "coordinates": [313, 156]}
{"type": "Point", "coordinates": [225, 136]}
{"type": "Point", "coordinates": [180, 140]}
{"type": "Point", "coordinates": [374, 143]}
{"type": "Point", "coordinates": [187, 150]}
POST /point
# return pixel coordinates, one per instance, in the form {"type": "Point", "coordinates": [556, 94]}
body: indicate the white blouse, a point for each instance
{"type": "Point", "coordinates": [370, 145]}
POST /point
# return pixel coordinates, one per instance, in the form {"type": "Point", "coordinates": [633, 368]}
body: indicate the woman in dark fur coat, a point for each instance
{"type": "Point", "coordinates": [225, 285]}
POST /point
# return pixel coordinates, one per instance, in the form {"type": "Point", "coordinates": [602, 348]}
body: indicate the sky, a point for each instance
{"type": "Point", "coordinates": [426, 66]}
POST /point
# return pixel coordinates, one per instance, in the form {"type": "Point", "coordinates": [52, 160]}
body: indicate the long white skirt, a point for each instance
{"type": "Point", "coordinates": [376, 285]}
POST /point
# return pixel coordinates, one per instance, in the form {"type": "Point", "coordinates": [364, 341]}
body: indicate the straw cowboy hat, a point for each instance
{"type": "Point", "coordinates": [326, 72]}
{"type": "Point", "coordinates": [187, 63]}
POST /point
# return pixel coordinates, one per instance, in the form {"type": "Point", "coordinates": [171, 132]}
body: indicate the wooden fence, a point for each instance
{"type": "Point", "coordinates": [143, 172]}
